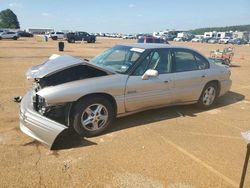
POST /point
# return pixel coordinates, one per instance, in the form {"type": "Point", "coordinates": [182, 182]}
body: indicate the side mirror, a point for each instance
{"type": "Point", "coordinates": [149, 73]}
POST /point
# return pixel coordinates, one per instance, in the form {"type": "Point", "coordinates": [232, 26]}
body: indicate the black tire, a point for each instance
{"type": "Point", "coordinates": [14, 38]}
{"type": "Point", "coordinates": [72, 40]}
{"type": "Point", "coordinates": [81, 113]}
{"type": "Point", "coordinates": [205, 100]}
{"type": "Point", "coordinates": [0, 38]}
{"type": "Point", "coordinates": [54, 38]}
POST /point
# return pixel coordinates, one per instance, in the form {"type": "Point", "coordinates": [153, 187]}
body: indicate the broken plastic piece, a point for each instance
{"type": "Point", "coordinates": [18, 99]}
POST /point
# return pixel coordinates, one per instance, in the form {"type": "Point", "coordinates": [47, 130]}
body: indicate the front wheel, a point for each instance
{"type": "Point", "coordinates": [208, 96]}
{"type": "Point", "coordinates": [92, 115]}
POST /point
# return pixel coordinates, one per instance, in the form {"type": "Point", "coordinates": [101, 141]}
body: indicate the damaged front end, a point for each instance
{"type": "Point", "coordinates": [36, 125]}
{"type": "Point", "coordinates": [44, 121]}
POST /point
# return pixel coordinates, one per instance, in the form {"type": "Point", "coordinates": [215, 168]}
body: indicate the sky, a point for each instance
{"type": "Point", "coordinates": [128, 16]}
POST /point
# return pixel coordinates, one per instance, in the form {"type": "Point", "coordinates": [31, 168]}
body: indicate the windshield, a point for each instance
{"type": "Point", "coordinates": [118, 58]}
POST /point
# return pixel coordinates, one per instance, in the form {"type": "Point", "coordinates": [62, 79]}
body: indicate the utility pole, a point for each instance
{"type": "Point", "coordinates": [246, 136]}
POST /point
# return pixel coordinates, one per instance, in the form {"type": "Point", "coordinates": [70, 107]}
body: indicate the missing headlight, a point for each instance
{"type": "Point", "coordinates": [40, 104]}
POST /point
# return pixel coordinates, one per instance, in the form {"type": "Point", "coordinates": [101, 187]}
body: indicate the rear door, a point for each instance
{"type": "Point", "coordinates": [155, 91]}
{"type": "Point", "coordinates": [190, 75]}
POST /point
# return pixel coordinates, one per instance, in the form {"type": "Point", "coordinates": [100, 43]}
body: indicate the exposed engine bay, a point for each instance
{"type": "Point", "coordinates": [60, 112]}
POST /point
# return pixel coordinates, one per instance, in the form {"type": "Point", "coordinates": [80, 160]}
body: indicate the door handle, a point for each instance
{"type": "Point", "coordinates": [203, 76]}
{"type": "Point", "coordinates": [166, 81]}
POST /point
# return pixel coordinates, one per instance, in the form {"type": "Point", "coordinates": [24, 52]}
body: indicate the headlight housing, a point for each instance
{"type": "Point", "coordinates": [40, 104]}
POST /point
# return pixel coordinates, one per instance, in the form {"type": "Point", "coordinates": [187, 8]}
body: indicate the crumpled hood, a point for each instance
{"type": "Point", "coordinates": [53, 64]}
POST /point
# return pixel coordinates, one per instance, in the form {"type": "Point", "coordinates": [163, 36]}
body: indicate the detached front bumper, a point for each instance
{"type": "Point", "coordinates": [37, 126]}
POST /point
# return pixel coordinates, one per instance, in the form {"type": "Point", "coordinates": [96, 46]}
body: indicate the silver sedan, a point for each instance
{"type": "Point", "coordinates": [87, 96]}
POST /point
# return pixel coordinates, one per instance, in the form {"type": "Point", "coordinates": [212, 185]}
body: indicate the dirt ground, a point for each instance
{"type": "Point", "coordinates": [174, 147]}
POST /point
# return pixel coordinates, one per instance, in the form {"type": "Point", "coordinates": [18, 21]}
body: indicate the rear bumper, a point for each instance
{"type": "Point", "coordinates": [225, 86]}
{"type": "Point", "coordinates": [37, 126]}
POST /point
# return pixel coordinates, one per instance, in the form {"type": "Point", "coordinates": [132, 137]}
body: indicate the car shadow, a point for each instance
{"type": "Point", "coordinates": [151, 116]}
{"type": "Point", "coordinates": [70, 139]}
{"type": "Point", "coordinates": [234, 65]}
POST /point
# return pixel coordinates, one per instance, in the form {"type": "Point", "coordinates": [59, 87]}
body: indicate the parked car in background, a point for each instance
{"type": "Point", "coordinates": [129, 37]}
{"type": "Point", "coordinates": [9, 35]}
{"type": "Point", "coordinates": [125, 79]}
{"type": "Point", "coordinates": [24, 34]}
{"type": "Point", "coordinates": [143, 35]}
{"type": "Point", "coordinates": [178, 39]}
{"type": "Point", "coordinates": [237, 41]}
{"type": "Point", "coordinates": [206, 39]}
{"type": "Point", "coordinates": [170, 37]}
{"type": "Point", "coordinates": [213, 40]}
{"type": "Point", "coordinates": [56, 35]}
{"type": "Point", "coordinates": [151, 40]}
{"type": "Point", "coordinates": [197, 39]}
{"type": "Point", "coordinates": [80, 36]}
{"type": "Point", "coordinates": [224, 40]}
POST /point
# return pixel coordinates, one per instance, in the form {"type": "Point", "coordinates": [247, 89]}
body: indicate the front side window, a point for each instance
{"type": "Point", "coordinates": [118, 58]}
{"type": "Point", "coordinates": [159, 60]}
{"type": "Point", "coordinates": [184, 61]}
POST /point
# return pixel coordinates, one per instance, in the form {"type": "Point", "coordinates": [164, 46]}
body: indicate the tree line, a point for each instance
{"type": "Point", "coordinates": [201, 31]}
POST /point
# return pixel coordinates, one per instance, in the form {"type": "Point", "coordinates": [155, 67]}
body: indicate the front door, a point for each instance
{"type": "Point", "coordinates": [155, 91]}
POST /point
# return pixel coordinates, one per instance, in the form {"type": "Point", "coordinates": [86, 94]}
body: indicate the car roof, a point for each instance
{"type": "Point", "coordinates": [154, 45]}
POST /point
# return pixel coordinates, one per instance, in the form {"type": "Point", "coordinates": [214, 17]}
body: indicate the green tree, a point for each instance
{"type": "Point", "coordinates": [8, 19]}
{"type": "Point", "coordinates": [201, 31]}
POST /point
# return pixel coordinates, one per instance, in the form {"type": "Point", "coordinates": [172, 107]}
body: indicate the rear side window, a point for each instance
{"type": "Point", "coordinates": [202, 62]}
{"type": "Point", "coordinates": [184, 61]}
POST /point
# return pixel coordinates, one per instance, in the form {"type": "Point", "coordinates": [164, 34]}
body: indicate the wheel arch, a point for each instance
{"type": "Point", "coordinates": [217, 82]}
{"type": "Point", "coordinates": [105, 95]}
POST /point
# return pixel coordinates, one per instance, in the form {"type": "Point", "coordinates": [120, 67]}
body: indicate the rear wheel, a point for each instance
{"type": "Point", "coordinates": [14, 38]}
{"type": "Point", "coordinates": [208, 96]}
{"type": "Point", "coordinates": [92, 115]}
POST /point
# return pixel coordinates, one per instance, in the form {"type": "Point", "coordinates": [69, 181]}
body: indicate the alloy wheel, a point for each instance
{"type": "Point", "coordinates": [94, 117]}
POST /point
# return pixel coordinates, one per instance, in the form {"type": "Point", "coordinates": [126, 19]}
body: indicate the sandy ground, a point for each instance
{"type": "Point", "coordinates": [175, 147]}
